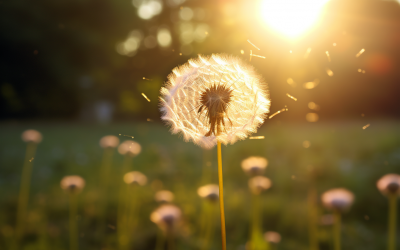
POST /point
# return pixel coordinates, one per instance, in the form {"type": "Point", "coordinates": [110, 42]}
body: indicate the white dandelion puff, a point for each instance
{"type": "Point", "coordinates": [214, 98]}
{"type": "Point", "coordinates": [130, 148]}
{"type": "Point", "coordinates": [109, 141]}
{"type": "Point", "coordinates": [164, 196]}
{"type": "Point", "coordinates": [339, 199]}
{"type": "Point", "coordinates": [31, 135]}
{"type": "Point", "coordinates": [259, 183]}
{"type": "Point", "coordinates": [209, 192]}
{"type": "Point", "coordinates": [72, 184]}
{"type": "Point", "coordinates": [135, 178]}
{"type": "Point", "coordinates": [389, 184]}
{"type": "Point", "coordinates": [254, 165]}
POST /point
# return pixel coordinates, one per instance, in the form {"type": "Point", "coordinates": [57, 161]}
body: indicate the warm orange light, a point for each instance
{"type": "Point", "coordinates": [291, 17]}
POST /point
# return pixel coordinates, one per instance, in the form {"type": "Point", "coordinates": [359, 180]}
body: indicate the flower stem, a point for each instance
{"type": "Point", "coordinates": [24, 193]}
{"type": "Point", "coordinates": [73, 233]}
{"type": "Point", "coordinates": [221, 197]}
{"type": "Point", "coordinates": [312, 218]}
{"type": "Point", "coordinates": [336, 230]}
{"type": "Point", "coordinates": [392, 221]}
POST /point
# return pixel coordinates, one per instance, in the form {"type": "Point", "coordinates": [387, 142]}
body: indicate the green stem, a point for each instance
{"type": "Point", "coordinates": [392, 221]}
{"type": "Point", "coordinates": [209, 225]}
{"type": "Point", "coordinates": [221, 197]}
{"type": "Point", "coordinates": [24, 193]}
{"type": "Point", "coordinates": [312, 218]}
{"type": "Point", "coordinates": [255, 228]}
{"type": "Point", "coordinates": [73, 231]}
{"type": "Point", "coordinates": [104, 187]}
{"type": "Point", "coordinates": [160, 240]}
{"type": "Point", "coordinates": [123, 206]}
{"type": "Point", "coordinates": [171, 242]}
{"type": "Point", "coordinates": [336, 230]}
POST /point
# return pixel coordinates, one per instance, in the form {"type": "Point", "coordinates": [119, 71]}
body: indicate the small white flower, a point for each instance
{"type": "Point", "coordinates": [109, 141]}
{"type": "Point", "coordinates": [389, 184]}
{"type": "Point", "coordinates": [167, 217]}
{"type": "Point", "coordinates": [72, 184]}
{"type": "Point", "coordinates": [214, 98]}
{"type": "Point", "coordinates": [164, 196]}
{"type": "Point", "coordinates": [31, 135]}
{"type": "Point", "coordinates": [135, 178]}
{"type": "Point", "coordinates": [209, 192]}
{"type": "Point", "coordinates": [254, 165]}
{"type": "Point", "coordinates": [130, 148]}
{"type": "Point", "coordinates": [258, 184]}
{"type": "Point", "coordinates": [339, 199]}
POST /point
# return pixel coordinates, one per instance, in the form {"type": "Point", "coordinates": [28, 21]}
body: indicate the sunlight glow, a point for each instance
{"type": "Point", "coordinates": [291, 17]}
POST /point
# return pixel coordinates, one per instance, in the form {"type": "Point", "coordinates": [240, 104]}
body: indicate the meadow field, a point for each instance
{"type": "Point", "coordinates": [301, 156]}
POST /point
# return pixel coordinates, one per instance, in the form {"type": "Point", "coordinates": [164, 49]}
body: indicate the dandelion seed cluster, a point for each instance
{"type": "Point", "coordinates": [72, 184]}
{"type": "Point", "coordinates": [214, 98]}
{"type": "Point", "coordinates": [338, 199]}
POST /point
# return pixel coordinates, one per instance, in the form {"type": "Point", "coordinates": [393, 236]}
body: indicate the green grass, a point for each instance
{"type": "Point", "coordinates": [340, 155]}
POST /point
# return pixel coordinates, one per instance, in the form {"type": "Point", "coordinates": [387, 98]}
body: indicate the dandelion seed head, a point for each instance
{"type": "Point", "coordinates": [31, 135]}
{"type": "Point", "coordinates": [339, 199]}
{"type": "Point", "coordinates": [109, 141]}
{"type": "Point", "coordinates": [72, 184]}
{"type": "Point", "coordinates": [164, 196]}
{"type": "Point", "coordinates": [209, 192]}
{"type": "Point", "coordinates": [389, 184]}
{"type": "Point", "coordinates": [130, 148]}
{"type": "Point", "coordinates": [258, 184]}
{"type": "Point", "coordinates": [214, 98]}
{"type": "Point", "coordinates": [254, 165]}
{"type": "Point", "coordinates": [135, 178]}
{"type": "Point", "coordinates": [166, 217]}
{"type": "Point", "coordinates": [273, 237]}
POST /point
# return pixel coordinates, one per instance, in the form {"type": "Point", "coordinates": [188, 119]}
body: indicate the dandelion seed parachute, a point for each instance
{"type": "Point", "coordinates": [214, 98]}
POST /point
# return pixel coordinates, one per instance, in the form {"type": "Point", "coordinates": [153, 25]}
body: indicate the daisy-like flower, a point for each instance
{"type": "Point", "coordinates": [389, 184]}
{"type": "Point", "coordinates": [339, 199]}
{"type": "Point", "coordinates": [130, 148]}
{"type": "Point", "coordinates": [109, 141]}
{"type": "Point", "coordinates": [72, 184]}
{"type": "Point", "coordinates": [254, 165]}
{"type": "Point", "coordinates": [166, 217]}
{"type": "Point", "coordinates": [209, 192]}
{"type": "Point", "coordinates": [164, 196]}
{"type": "Point", "coordinates": [135, 178]}
{"type": "Point", "coordinates": [214, 98]}
{"type": "Point", "coordinates": [258, 184]}
{"type": "Point", "coordinates": [31, 135]}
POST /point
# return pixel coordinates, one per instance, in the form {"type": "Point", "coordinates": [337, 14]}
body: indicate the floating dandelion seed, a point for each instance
{"type": "Point", "coordinates": [145, 97]}
{"type": "Point", "coordinates": [258, 184]}
{"type": "Point", "coordinates": [72, 184]}
{"type": "Point", "coordinates": [272, 237]}
{"type": "Point", "coordinates": [254, 165]}
{"type": "Point", "coordinates": [311, 85]}
{"type": "Point", "coordinates": [278, 112]}
{"type": "Point", "coordinates": [135, 178]}
{"type": "Point", "coordinates": [253, 45]}
{"type": "Point", "coordinates": [306, 144]}
{"type": "Point", "coordinates": [338, 199]}
{"type": "Point", "coordinates": [130, 136]}
{"type": "Point", "coordinates": [360, 52]}
{"type": "Point", "coordinates": [251, 54]}
{"type": "Point", "coordinates": [257, 137]}
{"type": "Point", "coordinates": [307, 53]}
{"type": "Point", "coordinates": [259, 56]}
{"type": "Point", "coordinates": [329, 72]}
{"type": "Point", "coordinates": [144, 78]}
{"type": "Point", "coordinates": [164, 196]}
{"type": "Point", "coordinates": [291, 97]}
{"type": "Point", "coordinates": [389, 184]}
{"type": "Point", "coordinates": [31, 136]}
{"type": "Point", "coordinates": [149, 120]}
{"type": "Point", "coordinates": [312, 117]}
{"type": "Point", "coordinates": [313, 105]}
{"type": "Point", "coordinates": [209, 192]}
{"type": "Point", "coordinates": [109, 141]}
{"type": "Point", "coordinates": [334, 44]}
{"type": "Point", "coordinates": [366, 126]}
{"type": "Point", "coordinates": [31, 159]}
{"type": "Point", "coordinates": [327, 54]}
{"type": "Point", "coordinates": [291, 82]}
{"type": "Point", "coordinates": [216, 98]}
{"type": "Point", "coordinates": [129, 147]}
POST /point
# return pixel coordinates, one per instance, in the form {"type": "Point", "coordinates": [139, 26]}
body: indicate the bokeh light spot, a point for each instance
{"type": "Point", "coordinates": [164, 37]}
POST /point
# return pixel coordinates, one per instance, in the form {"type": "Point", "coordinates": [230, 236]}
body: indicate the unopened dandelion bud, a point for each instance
{"type": "Point", "coordinates": [135, 178]}
{"type": "Point", "coordinates": [109, 141]}
{"type": "Point", "coordinates": [389, 184]}
{"type": "Point", "coordinates": [164, 196]}
{"type": "Point", "coordinates": [254, 165]}
{"type": "Point", "coordinates": [209, 192]}
{"type": "Point", "coordinates": [31, 135]}
{"type": "Point", "coordinates": [166, 217]}
{"type": "Point", "coordinates": [338, 199]}
{"type": "Point", "coordinates": [258, 184]}
{"type": "Point", "coordinates": [130, 148]}
{"type": "Point", "coordinates": [272, 237]}
{"type": "Point", "coordinates": [72, 184]}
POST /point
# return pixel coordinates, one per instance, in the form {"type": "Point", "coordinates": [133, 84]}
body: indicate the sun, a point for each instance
{"type": "Point", "coordinates": [291, 17]}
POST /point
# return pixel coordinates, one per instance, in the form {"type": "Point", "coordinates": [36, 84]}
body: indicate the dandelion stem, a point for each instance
{"type": "Point", "coordinates": [336, 229]}
{"type": "Point", "coordinates": [171, 243]}
{"type": "Point", "coordinates": [73, 233]}
{"type": "Point", "coordinates": [24, 193]}
{"type": "Point", "coordinates": [392, 221]}
{"type": "Point", "coordinates": [221, 197]}
{"type": "Point", "coordinates": [312, 218]}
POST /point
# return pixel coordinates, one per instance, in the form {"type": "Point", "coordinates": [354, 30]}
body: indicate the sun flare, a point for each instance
{"type": "Point", "coordinates": [291, 17]}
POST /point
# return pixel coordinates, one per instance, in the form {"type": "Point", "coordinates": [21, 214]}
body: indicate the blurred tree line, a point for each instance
{"type": "Point", "coordinates": [58, 59]}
